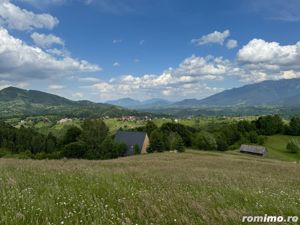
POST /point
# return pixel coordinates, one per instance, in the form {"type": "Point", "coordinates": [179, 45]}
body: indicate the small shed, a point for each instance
{"type": "Point", "coordinates": [133, 138]}
{"type": "Point", "coordinates": [253, 150]}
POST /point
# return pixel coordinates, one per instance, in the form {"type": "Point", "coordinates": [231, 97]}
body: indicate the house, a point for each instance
{"type": "Point", "coordinates": [133, 138]}
{"type": "Point", "coordinates": [253, 150]}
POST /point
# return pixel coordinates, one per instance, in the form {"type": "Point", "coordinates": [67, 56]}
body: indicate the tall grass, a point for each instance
{"type": "Point", "coordinates": [167, 188]}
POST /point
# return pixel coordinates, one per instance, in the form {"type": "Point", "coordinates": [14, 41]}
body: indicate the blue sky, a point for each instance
{"type": "Point", "coordinates": [108, 49]}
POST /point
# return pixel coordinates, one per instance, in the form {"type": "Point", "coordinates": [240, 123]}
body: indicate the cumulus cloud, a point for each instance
{"type": "Point", "coordinates": [20, 61]}
{"type": "Point", "coordinates": [261, 60]}
{"type": "Point", "coordinates": [231, 44]}
{"type": "Point", "coordinates": [187, 80]}
{"type": "Point", "coordinates": [16, 18]}
{"type": "Point", "coordinates": [46, 41]}
{"type": "Point", "coordinates": [213, 38]}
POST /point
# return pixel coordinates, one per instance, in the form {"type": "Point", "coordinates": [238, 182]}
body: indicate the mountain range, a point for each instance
{"type": "Point", "coordinates": [283, 93]}
{"type": "Point", "coordinates": [259, 98]}
{"type": "Point", "coordinates": [19, 102]}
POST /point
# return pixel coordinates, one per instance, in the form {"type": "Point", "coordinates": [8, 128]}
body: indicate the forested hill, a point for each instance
{"type": "Point", "coordinates": [19, 102]}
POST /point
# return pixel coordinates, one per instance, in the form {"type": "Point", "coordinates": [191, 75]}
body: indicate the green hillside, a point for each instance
{"type": "Point", "coordinates": [276, 146]}
{"type": "Point", "coordinates": [18, 102]}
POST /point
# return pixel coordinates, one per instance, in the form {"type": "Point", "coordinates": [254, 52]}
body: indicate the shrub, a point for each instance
{"type": "Point", "coordinates": [292, 147]}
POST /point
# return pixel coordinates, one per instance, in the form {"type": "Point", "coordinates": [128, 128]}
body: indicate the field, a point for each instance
{"type": "Point", "coordinates": [276, 146]}
{"type": "Point", "coordinates": [167, 188]}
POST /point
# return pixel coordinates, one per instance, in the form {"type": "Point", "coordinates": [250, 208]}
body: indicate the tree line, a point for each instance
{"type": "Point", "coordinates": [93, 141]}
{"type": "Point", "coordinates": [90, 141]}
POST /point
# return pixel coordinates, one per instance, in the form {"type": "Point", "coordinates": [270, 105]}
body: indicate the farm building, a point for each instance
{"type": "Point", "coordinates": [133, 138]}
{"type": "Point", "coordinates": [253, 150]}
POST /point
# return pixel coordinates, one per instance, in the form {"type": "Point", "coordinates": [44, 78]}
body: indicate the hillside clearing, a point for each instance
{"type": "Point", "coordinates": [276, 146]}
{"type": "Point", "coordinates": [167, 188]}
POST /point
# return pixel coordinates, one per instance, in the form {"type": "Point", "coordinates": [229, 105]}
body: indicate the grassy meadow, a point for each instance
{"type": "Point", "coordinates": [164, 188]}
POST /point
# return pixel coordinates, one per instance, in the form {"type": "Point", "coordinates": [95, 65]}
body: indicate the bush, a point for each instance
{"type": "Point", "coordinates": [292, 147]}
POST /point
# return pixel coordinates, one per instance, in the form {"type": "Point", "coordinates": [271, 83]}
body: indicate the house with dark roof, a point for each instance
{"type": "Point", "coordinates": [253, 150]}
{"type": "Point", "coordinates": [131, 139]}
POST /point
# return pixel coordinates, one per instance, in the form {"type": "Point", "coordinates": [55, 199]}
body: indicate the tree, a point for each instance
{"type": "Point", "coordinates": [93, 134]}
{"type": "Point", "coordinates": [156, 142]}
{"type": "Point", "coordinates": [179, 145]}
{"type": "Point", "coordinates": [292, 147]}
{"type": "Point", "coordinates": [136, 149]}
{"type": "Point", "coordinates": [184, 131]}
{"type": "Point", "coordinates": [75, 150]}
{"type": "Point", "coordinates": [50, 143]}
{"type": "Point", "coordinates": [245, 126]}
{"type": "Point", "coordinates": [221, 142]}
{"type": "Point", "coordinates": [269, 125]}
{"type": "Point", "coordinates": [174, 142]}
{"type": "Point", "coordinates": [38, 144]}
{"type": "Point", "coordinates": [71, 135]}
{"type": "Point", "coordinates": [294, 127]}
{"type": "Point", "coordinates": [205, 141]}
{"type": "Point", "coordinates": [150, 127]}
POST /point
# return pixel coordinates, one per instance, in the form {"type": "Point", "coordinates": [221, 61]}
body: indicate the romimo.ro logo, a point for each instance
{"type": "Point", "coordinates": [270, 219]}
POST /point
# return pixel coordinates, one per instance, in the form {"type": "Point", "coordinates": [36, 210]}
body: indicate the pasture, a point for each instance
{"type": "Point", "coordinates": [165, 188]}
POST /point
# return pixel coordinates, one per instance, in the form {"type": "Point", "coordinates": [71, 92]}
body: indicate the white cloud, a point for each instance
{"type": "Point", "coordinates": [46, 41]}
{"type": "Point", "coordinates": [213, 38]}
{"type": "Point", "coordinates": [271, 53]}
{"type": "Point", "coordinates": [19, 61]}
{"type": "Point", "coordinates": [116, 64]}
{"type": "Point", "coordinates": [117, 41]}
{"type": "Point", "coordinates": [262, 60]}
{"type": "Point", "coordinates": [78, 95]}
{"type": "Point", "coordinates": [187, 80]}
{"type": "Point", "coordinates": [55, 87]}
{"type": "Point", "coordinates": [88, 79]}
{"type": "Point", "coordinates": [16, 18]}
{"type": "Point", "coordinates": [231, 44]}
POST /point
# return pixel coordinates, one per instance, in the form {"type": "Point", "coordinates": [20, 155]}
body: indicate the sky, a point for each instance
{"type": "Point", "coordinates": [101, 50]}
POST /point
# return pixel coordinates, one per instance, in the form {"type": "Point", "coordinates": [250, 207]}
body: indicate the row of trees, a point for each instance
{"type": "Point", "coordinates": [218, 137]}
{"type": "Point", "coordinates": [93, 141]}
